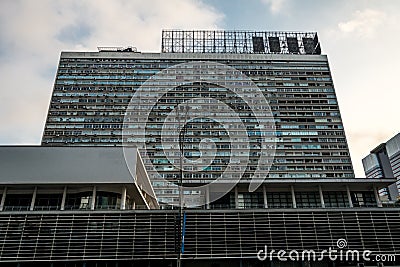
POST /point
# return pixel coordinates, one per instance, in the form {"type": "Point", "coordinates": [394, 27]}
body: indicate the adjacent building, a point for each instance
{"type": "Point", "coordinates": [384, 162]}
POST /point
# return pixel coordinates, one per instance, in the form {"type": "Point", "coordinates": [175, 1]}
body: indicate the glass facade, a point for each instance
{"type": "Point", "coordinates": [279, 200]}
{"type": "Point", "coordinates": [336, 199]}
{"type": "Point", "coordinates": [308, 200]}
{"type": "Point", "coordinates": [108, 200]}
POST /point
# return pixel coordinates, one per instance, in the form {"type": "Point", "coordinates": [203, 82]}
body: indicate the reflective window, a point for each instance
{"type": "Point", "coordinates": [78, 201]}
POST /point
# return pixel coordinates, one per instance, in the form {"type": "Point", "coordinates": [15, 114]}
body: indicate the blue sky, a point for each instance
{"type": "Point", "coordinates": [360, 38]}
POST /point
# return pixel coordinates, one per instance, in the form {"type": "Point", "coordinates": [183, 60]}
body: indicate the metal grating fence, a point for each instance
{"type": "Point", "coordinates": [112, 235]}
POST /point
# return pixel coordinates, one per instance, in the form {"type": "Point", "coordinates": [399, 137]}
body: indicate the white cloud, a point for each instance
{"type": "Point", "coordinates": [364, 23]}
{"type": "Point", "coordinates": [364, 67]}
{"type": "Point", "coordinates": [275, 6]}
{"type": "Point", "coordinates": [33, 33]}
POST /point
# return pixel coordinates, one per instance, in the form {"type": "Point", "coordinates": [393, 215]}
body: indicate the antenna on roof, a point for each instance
{"type": "Point", "coordinates": [117, 49]}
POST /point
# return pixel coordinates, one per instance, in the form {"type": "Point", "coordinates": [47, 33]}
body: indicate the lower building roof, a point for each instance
{"type": "Point", "coordinates": [65, 165]}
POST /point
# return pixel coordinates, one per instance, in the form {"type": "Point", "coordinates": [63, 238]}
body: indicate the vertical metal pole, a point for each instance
{"type": "Point", "coordinates": [180, 183]}
{"type": "Point", "coordinates": [214, 47]}
{"type": "Point", "coordinates": [204, 41]}
{"type": "Point", "coordinates": [349, 196]}
{"type": "Point", "coordinates": [183, 234]}
{"type": "Point", "coordinates": [123, 198]}
{"type": "Point", "coordinates": [236, 197]}
{"type": "Point", "coordinates": [183, 41]}
{"type": "Point", "coordinates": [245, 43]}
{"type": "Point", "coordinates": [193, 42]}
{"type": "Point", "coordinates": [207, 198]}
{"type": "Point", "coordinates": [225, 42]}
{"type": "Point", "coordinates": [293, 196]}
{"type": "Point", "coordinates": [33, 198]}
{"type": "Point", "coordinates": [172, 42]}
{"type": "Point", "coordinates": [92, 204]}
{"type": "Point", "coordinates": [321, 196]}
{"type": "Point", "coordinates": [178, 262]}
{"type": "Point", "coordinates": [265, 196]}
{"type": "Point", "coordinates": [64, 198]}
{"type": "Point", "coordinates": [181, 140]}
{"type": "Point", "coordinates": [162, 41]}
{"type": "Point", "coordinates": [3, 198]}
{"type": "Point", "coordinates": [234, 42]}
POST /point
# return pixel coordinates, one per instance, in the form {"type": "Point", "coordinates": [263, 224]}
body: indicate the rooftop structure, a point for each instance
{"type": "Point", "coordinates": [240, 42]}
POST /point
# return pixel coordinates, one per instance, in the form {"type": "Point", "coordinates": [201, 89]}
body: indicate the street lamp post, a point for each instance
{"type": "Point", "coordinates": [181, 139]}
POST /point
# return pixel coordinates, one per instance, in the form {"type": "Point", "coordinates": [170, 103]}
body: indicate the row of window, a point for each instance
{"type": "Point", "coordinates": [303, 200]}
{"type": "Point", "coordinates": [273, 75]}
{"type": "Point", "coordinates": [128, 88]}
{"type": "Point", "coordinates": [166, 166]}
{"type": "Point", "coordinates": [104, 200]}
{"type": "Point", "coordinates": [286, 68]}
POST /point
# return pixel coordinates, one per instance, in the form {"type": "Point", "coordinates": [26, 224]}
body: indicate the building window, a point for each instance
{"type": "Point", "coordinates": [225, 202]}
{"type": "Point", "coordinates": [17, 202]}
{"type": "Point", "coordinates": [279, 200]}
{"type": "Point", "coordinates": [336, 199]}
{"type": "Point", "coordinates": [250, 200]}
{"type": "Point", "coordinates": [79, 201]}
{"type": "Point", "coordinates": [108, 200]}
{"type": "Point", "coordinates": [363, 199]}
{"type": "Point", "coordinates": [308, 200]}
{"type": "Point", "coordinates": [48, 201]}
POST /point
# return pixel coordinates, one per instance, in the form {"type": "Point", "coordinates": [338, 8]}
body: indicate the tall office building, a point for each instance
{"type": "Point", "coordinates": [258, 106]}
{"type": "Point", "coordinates": [384, 162]}
{"type": "Point", "coordinates": [93, 89]}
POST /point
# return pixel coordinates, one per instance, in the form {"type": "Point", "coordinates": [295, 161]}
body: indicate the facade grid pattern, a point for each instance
{"type": "Point", "coordinates": [220, 234]}
{"type": "Point", "coordinates": [93, 90]}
